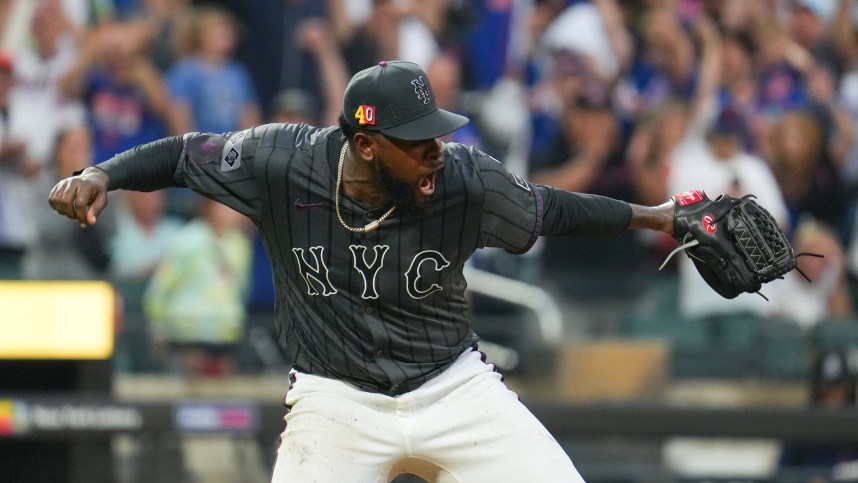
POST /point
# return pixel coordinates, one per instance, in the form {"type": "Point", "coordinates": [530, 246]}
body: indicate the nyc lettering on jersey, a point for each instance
{"type": "Point", "coordinates": [314, 271]}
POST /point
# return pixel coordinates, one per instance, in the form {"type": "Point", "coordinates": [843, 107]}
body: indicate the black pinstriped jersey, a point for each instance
{"type": "Point", "coordinates": [385, 310]}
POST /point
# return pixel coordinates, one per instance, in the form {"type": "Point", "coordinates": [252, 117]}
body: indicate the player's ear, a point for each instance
{"type": "Point", "coordinates": [365, 146]}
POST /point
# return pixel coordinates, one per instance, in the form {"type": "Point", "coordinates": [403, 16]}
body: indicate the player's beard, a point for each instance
{"type": "Point", "coordinates": [403, 194]}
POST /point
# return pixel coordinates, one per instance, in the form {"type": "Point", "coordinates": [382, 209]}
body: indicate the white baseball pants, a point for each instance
{"type": "Point", "coordinates": [464, 422]}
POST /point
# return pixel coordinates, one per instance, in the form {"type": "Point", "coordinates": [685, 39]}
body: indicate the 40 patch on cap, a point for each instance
{"type": "Point", "coordinates": [365, 115]}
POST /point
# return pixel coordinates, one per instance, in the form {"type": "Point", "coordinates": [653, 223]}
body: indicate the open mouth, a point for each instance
{"type": "Point", "coordinates": [427, 184]}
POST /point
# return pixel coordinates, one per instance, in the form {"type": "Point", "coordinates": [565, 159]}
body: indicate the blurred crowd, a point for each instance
{"type": "Point", "coordinates": [634, 99]}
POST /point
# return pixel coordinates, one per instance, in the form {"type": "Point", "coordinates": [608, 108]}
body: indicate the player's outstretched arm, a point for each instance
{"type": "Point", "coordinates": [147, 167]}
{"type": "Point", "coordinates": [81, 198]}
{"type": "Point", "coordinates": [583, 214]}
{"type": "Point", "coordinates": [659, 218]}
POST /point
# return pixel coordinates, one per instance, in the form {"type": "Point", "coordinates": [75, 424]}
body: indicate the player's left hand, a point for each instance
{"type": "Point", "coordinates": [82, 197]}
{"type": "Point", "coordinates": [735, 244]}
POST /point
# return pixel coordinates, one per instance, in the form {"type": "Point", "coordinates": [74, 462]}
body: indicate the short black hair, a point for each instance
{"type": "Point", "coordinates": [350, 130]}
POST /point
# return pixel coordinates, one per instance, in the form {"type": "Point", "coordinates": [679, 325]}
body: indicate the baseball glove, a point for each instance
{"type": "Point", "coordinates": [735, 244]}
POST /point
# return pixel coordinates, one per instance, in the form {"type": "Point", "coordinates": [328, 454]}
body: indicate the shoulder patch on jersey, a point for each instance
{"type": "Point", "coordinates": [204, 148]}
{"type": "Point", "coordinates": [231, 157]}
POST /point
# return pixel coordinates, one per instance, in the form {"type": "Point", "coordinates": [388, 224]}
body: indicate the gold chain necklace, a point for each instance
{"type": "Point", "coordinates": [369, 226]}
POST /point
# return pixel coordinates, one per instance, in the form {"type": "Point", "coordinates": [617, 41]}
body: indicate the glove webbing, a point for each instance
{"type": "Point", "coordinates": [763, 246]}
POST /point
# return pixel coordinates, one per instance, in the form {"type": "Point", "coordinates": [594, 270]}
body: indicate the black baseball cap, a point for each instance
{"type": "Point", "coordinates": [396, 99]}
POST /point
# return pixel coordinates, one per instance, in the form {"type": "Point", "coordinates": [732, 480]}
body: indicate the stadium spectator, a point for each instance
{"type": "Point", "coordinates": [314, 36]}
{"type": "Point", "coordinates": [664, 67]}
{"type": "Point", "coordinates": [832, 386]}
{"type": "Point", "coordinates": [829, 294]}
{"type": "Point", "coordinates": [63, 251]}
{"type": "Point", "coordinates": [162, 22]}
{"type": "Point", "coordinates": [809, 180]}
{"type": "Point", "coordinates": [588, 155]}
{"type": "Point", "coordinates": [810, 27]}
{"type": "Point", "coordinates": [445, 74]}
{"type": "Point", "coordinates": [41, 109]}
{"type": "Point", "coordinates": [212, 91]}
{"type": "Point", "coordinates": [17, 228]}
{"type": "Point", "coordinates": [124, 95]}
{"type": "Point", "coordinates": [738, 82]}
{"type": "Point", "coordinates": [659, 129]}
{"type": "Point", "coordinates": [196, 298]}
{"type": "Point", "coordinates": [594, 31]}
{"type": "Point", "coordinates": [586, 150]}
{"type": "Point", "coordinates": [780, 68]}
{"type": "Point", "coordinates": [37, 114]}
{"type": "Point", "coordinates": [375, 30]}
{"type": "Point", "coordinates": [144, 231]}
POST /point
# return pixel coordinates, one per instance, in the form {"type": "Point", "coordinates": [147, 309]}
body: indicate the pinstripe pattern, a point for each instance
{"type": "Point", "coordinates": [420, 321]}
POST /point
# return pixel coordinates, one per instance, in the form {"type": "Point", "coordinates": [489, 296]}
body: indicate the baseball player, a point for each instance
{"type": "Point", "coordinates": [368, 225]}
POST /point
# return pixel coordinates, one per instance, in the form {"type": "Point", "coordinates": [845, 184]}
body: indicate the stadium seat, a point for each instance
{"type": "Point", "coordinates": [783, 350]}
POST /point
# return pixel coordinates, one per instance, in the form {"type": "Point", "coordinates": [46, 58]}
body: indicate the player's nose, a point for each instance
{"type": "Point", "coordinates": [434, 146]}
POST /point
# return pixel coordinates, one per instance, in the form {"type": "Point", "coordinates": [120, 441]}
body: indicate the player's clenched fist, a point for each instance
{"type": "Point", "coordinates": [81, 197]}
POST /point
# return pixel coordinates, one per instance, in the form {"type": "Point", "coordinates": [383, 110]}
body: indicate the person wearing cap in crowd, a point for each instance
{"type": "Point", "coordinates": [368, 225]}
{"type": "Point", "coordinates": [832, 385]}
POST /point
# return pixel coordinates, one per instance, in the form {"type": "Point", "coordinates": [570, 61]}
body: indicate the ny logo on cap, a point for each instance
{"type": "Point", "coordinates": [421, 90]}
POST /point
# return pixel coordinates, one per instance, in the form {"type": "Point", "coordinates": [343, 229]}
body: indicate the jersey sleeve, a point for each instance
{"type": "Point", "coordinates": [222, 167]}
{"type": "Point", "coordinates": [512, 209]}
{"type": "Point", "coordinates": [582, 214]}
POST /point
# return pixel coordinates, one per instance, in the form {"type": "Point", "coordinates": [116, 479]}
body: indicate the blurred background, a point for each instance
{"type": "Point", "coordinates": [142, 348]}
